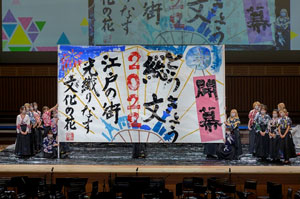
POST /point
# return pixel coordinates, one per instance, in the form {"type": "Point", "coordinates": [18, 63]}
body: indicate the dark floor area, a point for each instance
{"type": "Point", "coordinates": [120, 154]}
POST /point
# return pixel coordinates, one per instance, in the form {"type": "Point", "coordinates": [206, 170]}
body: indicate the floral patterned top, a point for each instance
{"type": "Point", "coordinates": [23, 122]}
{"type": "Point", "coordinates": [273, 126]}
{"type": "Point", "coordinates": [262, 122]}
{"type": "Point", "coordinates": [32, 118]}
{"type": "Point", "coordinates": [37, 117]}
{"type": "Point", "coordinates": [234, 123]}
{"type": "Point", "coordinates": [39, 112]}
{"type": "Point", "coordinates": [284, 122]}
{"type": "Point", "coordinates": [48, 144]}
{"type": "Point", "coordinates": [47, 118]}
{"type": "Point", "coordinates": [252, 114]}
{"type": "Point", "coordinates": [54, 125]}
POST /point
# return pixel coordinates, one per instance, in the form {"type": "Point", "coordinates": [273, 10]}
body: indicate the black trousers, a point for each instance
{"type": "Point", "coordinates": [38, 138]}
{"type": "Point", "coordinates": [51, 155]}
{"type": "Point", "coordinates": [287, 146]}
{"type": "Point", "coordinates": [46, 130]}
{"type": "Point", "coordinates": [139, 149]}
{"type": "Point", "coordinates": [252, 139]}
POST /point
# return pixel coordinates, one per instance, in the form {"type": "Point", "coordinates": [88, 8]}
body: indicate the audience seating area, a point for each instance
{"type": "Point", "coordinates": [137, 187]}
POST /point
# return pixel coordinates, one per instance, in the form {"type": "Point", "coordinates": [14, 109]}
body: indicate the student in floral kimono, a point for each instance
{"type": "Point", "coordinates": [262, 132]}
{"type": "Point", "coordinates": [286, 143]}
{"type": "Point", "coordinates": [23, 146]}
{"type": "Point", "coordinates": [47, 118]}
{"type": "Point", "coordinates": [30, 113]}
{"type": "Point", "coordinates": [38, 130]}
{"type": "Point", "coordinates": [233, 123]}
{"type": "Point", "coordinates": [274, 141]}
{"type": "Point", "coordinates": [251, 126]}
{"type": "Point", "coordinates": [50, 146]}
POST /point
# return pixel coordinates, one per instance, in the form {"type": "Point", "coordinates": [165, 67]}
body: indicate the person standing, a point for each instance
{"type": "Point", "coordinates": [251, 126]}
{"type": "Point", "coordinates": [23, 146]}
{"type": "Point", "coordinates": [47, 118]}
{"type": "Point", "coordinates": [274, 138]}
{"type": "Point", "coordinates": [286, 143]}
{"type": "Point", "coordinates": [262, 139]}
{"type": "Point", "coordinates": [233, 123]}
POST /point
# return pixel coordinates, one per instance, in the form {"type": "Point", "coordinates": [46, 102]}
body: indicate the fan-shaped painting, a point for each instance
{"type": "Point", "coordinates": [158, 94]}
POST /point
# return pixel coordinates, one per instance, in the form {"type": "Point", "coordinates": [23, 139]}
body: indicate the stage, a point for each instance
{"type": "Point", "coordinates": [161, 158]}
{"type": "Point", "coordinates": [173, 162]}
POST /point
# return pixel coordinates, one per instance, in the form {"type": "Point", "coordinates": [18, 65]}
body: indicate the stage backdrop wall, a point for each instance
{"type": "Point", "coordinates": [141, 93]}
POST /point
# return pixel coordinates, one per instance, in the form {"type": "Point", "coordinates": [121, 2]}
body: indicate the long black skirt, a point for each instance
{"type": "Point", "coordinates": [238, 143]}
{"type": "Point", "coordinates": [23, 145]}
{"type": "Point", "coordinates": [226, 154]}
{"type": "Point", "coordinates": [287, 146]}
{"type": "Point", "coordinates": [139, 150]}
{"type": "Point", "coordinates": [51, 155]}
{"type": "Point", "coordinates": [252, 139]}
{"type": "Point", "coordinates": [46, 130]}
{"type": "Point", "coordinates": [262, 146]}
{"type": "Point", "coordinates": [211, 149]}
{"type": "Point", "coordinates": [274, 144]}
{"type": "Point", "coordinates": [32, 141]}
{"type": "Point", "coordinates": [38, 139]}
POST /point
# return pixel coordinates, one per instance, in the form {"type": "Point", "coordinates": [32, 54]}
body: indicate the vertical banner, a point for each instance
{"type": "Point", "coordinates": [259, 25]}
{"type": "Point", "coordinates": [208, 111]}
{"type": "Point", "coordinates": [158, 94]}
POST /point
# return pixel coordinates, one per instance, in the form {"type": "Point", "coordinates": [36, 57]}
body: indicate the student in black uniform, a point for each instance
{"type": "Point", "coordinates": [233, 123]}
{"type": "Point", "coordinates": [227, 151]}
{"type": "Point", "coordinates": [262, 132]}
{"type": "Point", "coordinates": [274, 138]}
{"type": "Point", "coordinates": [23, 142]}
{"type": "Point", "coordinates": [286, 143]}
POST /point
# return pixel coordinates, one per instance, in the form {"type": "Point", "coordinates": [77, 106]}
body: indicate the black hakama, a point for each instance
{"type": "Point", "coordinates": [238, 143]}
{"type": "Point", "coordinates": [23, 144]}
{"type": "Point", "coordinates": [287, 145]}
{"type": "Point", "coordinates": [226, 152]}
{"type": "Point", "coordinates": [38, 139]}
{"type": "Point", "coordinates": [210, 149]}
{"type": "Point", "coordinates": [252, 139]}
{"type": "Point", "coordinates": [274, 144]}
{"type": "Point", "coordinates": [32, 140]}
{"type": "Point", "coordinates": [274, 147]}
{"type": "Point", "coordinates": [139, 150]}
{"type": "Point", "coordinates": [51, 155]}
{"type": "Point", "coordinates": [46, 130]}
{"type": "Point", "coordinates": [262, 143]}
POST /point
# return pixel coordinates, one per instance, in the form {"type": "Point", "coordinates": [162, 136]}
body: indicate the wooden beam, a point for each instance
{"type": "Point", "coordinates": [142, 169]}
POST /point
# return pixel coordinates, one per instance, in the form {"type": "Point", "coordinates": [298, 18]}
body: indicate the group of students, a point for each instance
{"type": "Point", "coordinates": [36, 131]}
{"type": "Point", "coordinates": [270, 137]}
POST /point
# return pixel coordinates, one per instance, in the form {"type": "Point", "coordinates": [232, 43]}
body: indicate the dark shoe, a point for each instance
{"type": "Point", "coordinates": [211, 157]}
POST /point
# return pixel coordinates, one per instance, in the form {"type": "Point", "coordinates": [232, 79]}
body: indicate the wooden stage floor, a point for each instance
{"type": "Point", "coordinates": [173, 162]}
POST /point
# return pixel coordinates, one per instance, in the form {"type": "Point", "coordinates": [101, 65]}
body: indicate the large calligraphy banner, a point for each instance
{"type": "Point", "coordinates": [239, 24]}
{"type": "Point", "coordinates": [159, 94]}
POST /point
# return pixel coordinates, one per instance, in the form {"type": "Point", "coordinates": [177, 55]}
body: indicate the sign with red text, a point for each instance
{"type": "Point", "coordinates": [208, 111]}
{"type": "Point", "coordinates": [158, 94]}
